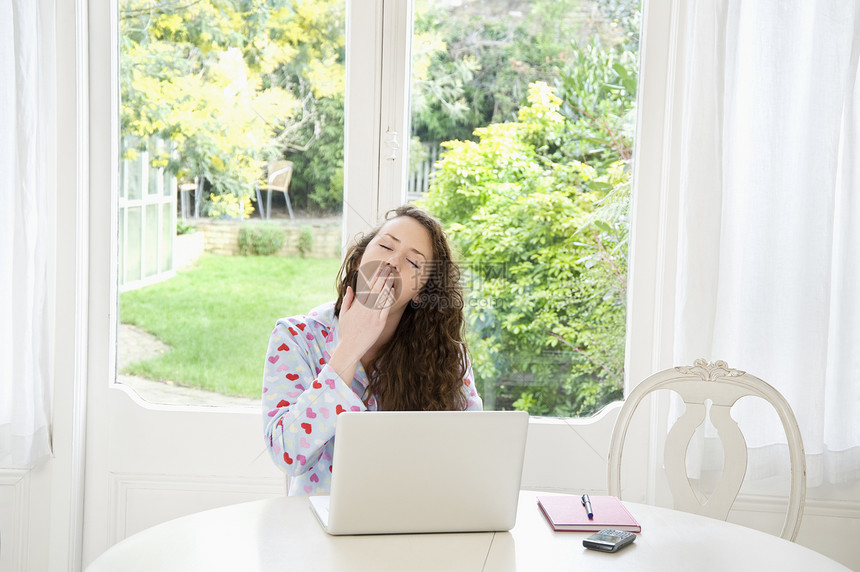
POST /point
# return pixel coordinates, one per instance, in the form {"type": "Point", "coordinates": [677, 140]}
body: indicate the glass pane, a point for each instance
{"type": "Point", "coordinates": [123, 185]}
{"type": "Point", "coordinates": [168, 188]}
{"type": "Point", "coordinates": [218, 91]}
{"type": "Point", "coordinates": [522, 117]}
{"type": "Point", "coordinates": [168, 224]}
{"type": "Point", "coordinates": [156, 157]}
{"type": "Point", "coordinates": [134, 174]}
{"type": "Point", "coordinates": [152, 180]}
{"type": "Point", "coordinates": [150, 241]}
{"type": "Point", "coordinates": [121, 241]}
{"type": "Point", "coordinates": [134, 234]}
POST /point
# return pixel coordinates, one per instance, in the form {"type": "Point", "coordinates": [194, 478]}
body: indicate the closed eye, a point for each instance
{"type": "Point", "coordinates": [388, 248]}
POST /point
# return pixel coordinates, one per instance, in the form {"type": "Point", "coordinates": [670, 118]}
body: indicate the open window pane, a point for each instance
{"type": "Point", "coordinates": [216, 98]}
{"type": "Point", "coordinates": [522, 125]}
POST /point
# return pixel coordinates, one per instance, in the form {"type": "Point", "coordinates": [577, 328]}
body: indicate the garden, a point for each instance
{"type": "Point", "coordinates": [533, 115]}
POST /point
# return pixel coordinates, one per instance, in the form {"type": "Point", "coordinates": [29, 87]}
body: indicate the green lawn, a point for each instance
{"type": "Point", "coordinates": [217, 317]}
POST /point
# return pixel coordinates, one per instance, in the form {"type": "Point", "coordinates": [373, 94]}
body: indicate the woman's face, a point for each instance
{"type": "Point", "coordinates": [406, 246]}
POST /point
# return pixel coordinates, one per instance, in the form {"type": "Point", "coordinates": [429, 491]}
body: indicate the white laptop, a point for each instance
{"type": "Point", "coordinates": [422, 471]}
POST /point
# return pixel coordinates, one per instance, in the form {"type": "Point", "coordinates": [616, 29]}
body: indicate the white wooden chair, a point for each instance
{"type": "Point", "coordinates": [722, 386]}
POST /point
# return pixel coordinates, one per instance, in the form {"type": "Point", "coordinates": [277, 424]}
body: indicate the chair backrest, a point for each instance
{"type": "Point", "coordinates": [280, 173]}
{"type": "Point", "coordinates": [722, 386]}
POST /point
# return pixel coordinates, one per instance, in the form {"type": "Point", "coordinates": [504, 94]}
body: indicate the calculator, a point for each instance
{"type": "Point", "coordinates": [609, 540]}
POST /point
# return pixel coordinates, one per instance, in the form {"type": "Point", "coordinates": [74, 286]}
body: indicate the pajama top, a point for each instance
{"type": "Point", "coordinates": [302, 396]}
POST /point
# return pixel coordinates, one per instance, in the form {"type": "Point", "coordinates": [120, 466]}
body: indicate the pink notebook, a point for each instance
{"type": "Point", "coordinates": [565, 512]}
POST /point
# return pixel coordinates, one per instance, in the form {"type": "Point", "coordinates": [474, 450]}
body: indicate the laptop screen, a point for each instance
{"type": "Point", "coordinates": [452, 471]}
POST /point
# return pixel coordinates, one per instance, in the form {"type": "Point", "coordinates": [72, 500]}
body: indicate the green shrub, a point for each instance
{"type": "Point", "coordinates": [543, 241]}
{"type": "Point", "coordinates": [260, 239]}
{"type": "Point", "coordinates": [306, 241]}
{"type": "Point", "coordinates": [183, 227]}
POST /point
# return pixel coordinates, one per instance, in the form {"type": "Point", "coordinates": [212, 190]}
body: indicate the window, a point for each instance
{"type": "Point", "coordinates": [230, 186]}
{"type": "Point", "coordinates": [522, 118]}
{"type": "Point", "coordinates": [536, 201]}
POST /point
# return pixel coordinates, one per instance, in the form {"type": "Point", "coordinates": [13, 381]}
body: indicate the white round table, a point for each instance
{"type": "Point", "coordinates": [283, 534]}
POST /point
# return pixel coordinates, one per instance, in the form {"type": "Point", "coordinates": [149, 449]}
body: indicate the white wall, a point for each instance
{"type": "Point", "coordinates": [40, 508]}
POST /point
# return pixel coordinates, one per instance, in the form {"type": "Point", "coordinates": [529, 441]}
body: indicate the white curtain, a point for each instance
{"type": "Point", "coordinates": [769, 237]}
{"type": "Point", "coordinates": [27, 180]}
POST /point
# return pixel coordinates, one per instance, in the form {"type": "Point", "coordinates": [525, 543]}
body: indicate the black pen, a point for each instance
{"type": "Point", "coordinates": [586, 502]}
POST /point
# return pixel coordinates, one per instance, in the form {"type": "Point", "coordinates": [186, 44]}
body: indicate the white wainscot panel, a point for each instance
{"type": "Point", "coordinates": [139, 501]}
{"type": "Point", "coordinates": [830, 526]}
{"type": "Point", "coordinates": [14, 505]}
{"type": "Point", "coordinates": [569, 455]}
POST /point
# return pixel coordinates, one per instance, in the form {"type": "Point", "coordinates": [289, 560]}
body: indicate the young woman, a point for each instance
{"type": "Point", "coordinates": [393, 340]}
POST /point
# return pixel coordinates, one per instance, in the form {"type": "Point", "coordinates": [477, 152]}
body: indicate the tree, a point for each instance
{"type": "Point", "coordinates": [473, 61]}
{"type": "Point", "coordinates": [232, 83]}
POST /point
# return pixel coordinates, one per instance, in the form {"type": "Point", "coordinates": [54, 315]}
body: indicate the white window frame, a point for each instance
{"type": "Point", "coordinates": [84, 245]}
{"type": "Point", "coordinates": [378, 45]}
{"type": "Point", "coordinates": [370, 190]}
{"type": "Point", "coordinates": [656, 183]}
{"type": "Point", "coordinates": [656, 153]}
{"type": "Point", "coordinates": [382, 85]}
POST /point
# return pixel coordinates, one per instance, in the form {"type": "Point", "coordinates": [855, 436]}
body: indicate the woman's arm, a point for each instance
{"type": "Point", "coordinates": [300, 400]}
{"type": "Point", "coordinates": [473, 400]}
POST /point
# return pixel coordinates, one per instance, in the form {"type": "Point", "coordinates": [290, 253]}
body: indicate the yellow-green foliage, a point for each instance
{"type": "Point", "coordinates": [208, 75]}
{"type": "Point", "coordinates": [230, 206]}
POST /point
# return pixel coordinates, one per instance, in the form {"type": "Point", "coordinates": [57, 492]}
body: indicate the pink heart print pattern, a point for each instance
{"type": "Point", "coordinates": [302, 398]}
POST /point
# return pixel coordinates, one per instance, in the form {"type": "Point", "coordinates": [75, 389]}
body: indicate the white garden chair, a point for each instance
{"type": "Point", "coordinates": [280, 173]}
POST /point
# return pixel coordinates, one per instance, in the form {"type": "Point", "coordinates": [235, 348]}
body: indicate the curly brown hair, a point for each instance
{"type": "Point", "coordinates": [422, 367]}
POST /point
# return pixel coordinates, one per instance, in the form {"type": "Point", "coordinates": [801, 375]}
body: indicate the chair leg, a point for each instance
{"type": "Point", "coordinates": [289, 206]}
{"type": "Point", "coordinates": [198, 195]}
{"type": "Point", "coordinates": [260, 202]}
